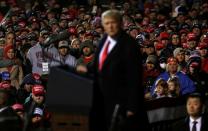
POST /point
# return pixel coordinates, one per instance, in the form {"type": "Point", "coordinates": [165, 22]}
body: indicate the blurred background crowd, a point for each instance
{"type": "Point", "coordinates": [172, 36]}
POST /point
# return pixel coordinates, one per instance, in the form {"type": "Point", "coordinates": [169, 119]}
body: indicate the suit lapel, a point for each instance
{"type": "Point", "coordinates": [101, 44]}
{"type": "Point", "coordinates": [112, 52]}
{"type": "Point", "coordinates": [187, 124]}
{"type": "Point", "coordinates": [97, 54]}
{"type": "Point", "coordinates": [204, 126]}
{"type": "Point", "coordinates": [110, 55]}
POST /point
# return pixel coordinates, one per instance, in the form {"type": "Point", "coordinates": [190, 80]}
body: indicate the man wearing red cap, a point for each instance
{"type": "Point", "coordinates": [186, 84]}
{"type": "Point", "coordinates": [192, 41]}
{"type": "Point", "coordinates": [37, 97]}
{"type": "Point", "coordinates": [37, 100]}
{"type": "Point", "coordinates": [38, 93]}
{"type": "Point", "coordinates": [203, 49]}
{"type": "Point", "coordinates": [73, 33]}
{"type": "Point", "coordinates": [158, 47]}
{"type": "Point", "coordinates": [164, 38]}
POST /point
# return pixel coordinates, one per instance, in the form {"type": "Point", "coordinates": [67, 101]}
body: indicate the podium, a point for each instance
{"type": "Point", "coordinates": [68, 98]}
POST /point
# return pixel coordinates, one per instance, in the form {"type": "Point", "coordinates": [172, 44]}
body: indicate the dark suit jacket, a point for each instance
{"type": "Point", "coordinates": [119, 82]}
{"type": "Point", "coordinates": [183, 125]}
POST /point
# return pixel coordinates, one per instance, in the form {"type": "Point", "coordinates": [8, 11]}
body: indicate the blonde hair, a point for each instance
{"type": "Point", "coordinates": [115, 14]}
{"type": "Point", "coordinates": [161, 82]}
{"type": "Point", "coordinates": [176, 82]}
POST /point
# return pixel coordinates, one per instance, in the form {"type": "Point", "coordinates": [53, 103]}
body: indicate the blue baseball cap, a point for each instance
{"type": "Point", "coordinates": [5, 75]}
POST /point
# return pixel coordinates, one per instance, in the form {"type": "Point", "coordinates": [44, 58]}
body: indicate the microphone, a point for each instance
{"type": "Point", "coordinates": [55, 38]}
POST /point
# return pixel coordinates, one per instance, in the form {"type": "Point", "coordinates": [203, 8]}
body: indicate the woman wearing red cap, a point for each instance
{"type": "Point", "coordinates": [16, 73]}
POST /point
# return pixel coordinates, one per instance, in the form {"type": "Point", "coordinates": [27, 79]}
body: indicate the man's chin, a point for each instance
{"type": "Point", "coordinates": [193, 114]}
{"type": "Point", "coordinates": [87, 54]}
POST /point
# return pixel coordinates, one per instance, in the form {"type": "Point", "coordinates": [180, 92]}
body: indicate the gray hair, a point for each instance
{"type": "Point", "coordinates": [115, 14]}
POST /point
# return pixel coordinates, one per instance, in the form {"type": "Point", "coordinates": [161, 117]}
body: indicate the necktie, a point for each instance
{"type": "Point", "coordinates": [104, 55]}
{"type": "Point", "coordinates": [194, 126]}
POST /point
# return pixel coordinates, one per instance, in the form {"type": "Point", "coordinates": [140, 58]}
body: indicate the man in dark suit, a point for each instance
{"type": "Point", "coordinates": [196, 120]}
{"type": "Point", "coordinates": [118, 79]}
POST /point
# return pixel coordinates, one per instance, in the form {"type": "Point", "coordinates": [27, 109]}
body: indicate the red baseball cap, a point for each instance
{"type": "Point", "coordinates": [191, 36]}
{"type": "Point", "coordinates": [194, 64]}
{"type": "Point", "coordinates": [18, 107]}
{"type": "Point", "coordinates": [185, 45]}
{"type": "Point", "coordinates": [172, 60]}
{"type": "Point", "coordinates": [5, 85]}
{"type": "Point", "coordinates": [72, 30]}
{"type": "Point", "coordinates": [38, 90]}
{"type": "Point", "coordinates": [164, 35]}
{"type": "Point", "coordinates": [159, 46]}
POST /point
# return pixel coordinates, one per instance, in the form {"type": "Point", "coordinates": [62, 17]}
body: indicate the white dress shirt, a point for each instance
{"type": "Point", "coordinates": [198, 125]}
{"type": "Point", "coordinates": [110, 47]}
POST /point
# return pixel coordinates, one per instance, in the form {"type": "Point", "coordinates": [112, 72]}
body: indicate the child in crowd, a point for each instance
{"type": "Point", "coordinates": [173, 87]}
{"type": "Point", "coordinates": [161, 89]}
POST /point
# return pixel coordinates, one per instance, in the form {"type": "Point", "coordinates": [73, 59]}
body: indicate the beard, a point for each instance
{"type": "Point", "coordinates": [87, 53]}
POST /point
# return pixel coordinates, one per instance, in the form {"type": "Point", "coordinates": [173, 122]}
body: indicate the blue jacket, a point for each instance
{"type": "Point", "coordinates": [186, 84]}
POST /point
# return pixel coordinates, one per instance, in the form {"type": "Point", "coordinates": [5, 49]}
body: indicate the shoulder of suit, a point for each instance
{"type": "Point", "coordinates": [127, 37]}
{"type": "Point", "coordinates": [105, 36]}
{"type": "Point", "coordinates": [205, 117]}
{"type": "Point", "coordinates": [180, 123]}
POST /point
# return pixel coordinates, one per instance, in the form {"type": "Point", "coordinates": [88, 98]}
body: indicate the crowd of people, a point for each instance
{"type": "Point", "coordinates": [171, 35]}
